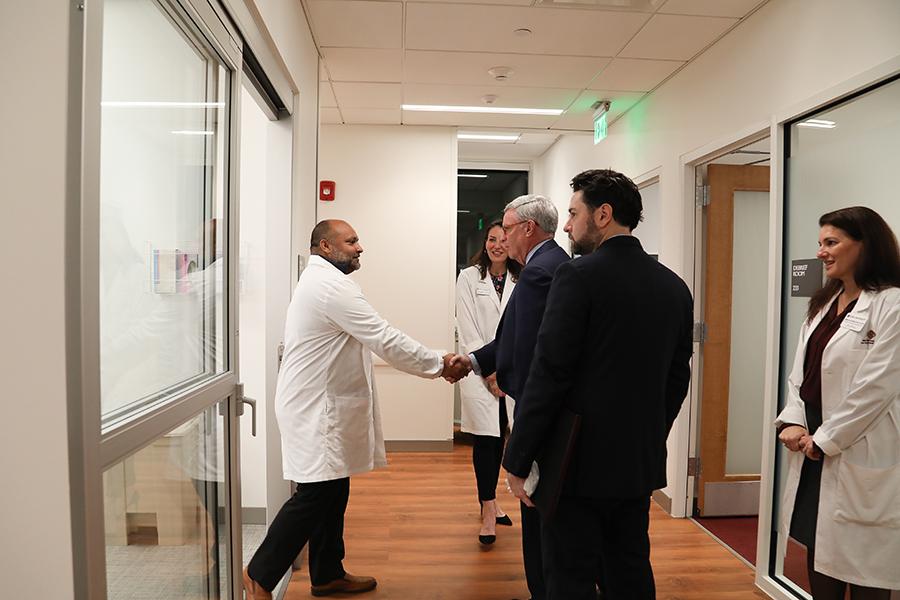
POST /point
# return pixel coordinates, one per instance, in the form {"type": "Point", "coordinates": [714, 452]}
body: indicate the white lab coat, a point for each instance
{"type": "Point", "coordinates": [858, 527]}
{"type": "Point", "coordinates": [478, 311]}
{"type": "Point", "coordinates": [325, 399]}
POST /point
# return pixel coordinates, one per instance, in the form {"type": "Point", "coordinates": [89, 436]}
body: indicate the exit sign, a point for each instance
{"type": "Point", "coordinates": [600, 128]}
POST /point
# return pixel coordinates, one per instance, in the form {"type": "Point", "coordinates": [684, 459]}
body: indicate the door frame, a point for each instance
{"type": "Point", "coordinates": [91, 451]}
{"type": "Point", "coordinates": [687, 440]}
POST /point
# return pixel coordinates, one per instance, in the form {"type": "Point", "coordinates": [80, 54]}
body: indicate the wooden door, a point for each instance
{"type": "Point", "coordinates": [720, 493]}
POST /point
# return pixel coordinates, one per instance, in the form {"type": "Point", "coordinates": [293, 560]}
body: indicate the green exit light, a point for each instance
{"type": "Point", "coordinates": [600, 128]}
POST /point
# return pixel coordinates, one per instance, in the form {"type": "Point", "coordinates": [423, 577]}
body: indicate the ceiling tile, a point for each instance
{"type": "Point", "coordinates": [477, 120]}
{"type": "Point", "coordinates": [371, 116]}
{"type": "Point", "coordinates": [634, 74]}
{"type": "Point", "coordinates": [491, 29]}
{"type": "Point", "coordinates": [500, 152]}
{"type": "Point", "coordinates": [330, 115]}
{"type": "Point", "coordinates": [710, 8]}
{"type": "Point", "coordinates": [459, 95]}
{"type": "Point", "coordinates": [357, 64]}
{"type": "Point", "coordinates": [367, 95]}
{"type": "Point", "coordinates": [580, 115]}
{"type": "Point", "coordinates": [529, 70]}
{"type": "Point", "coordinates": [675, 37]}
{"type": "Point", "coordinates": [326, 96]}
{"type": "Point", "coordinates": [357, 23]}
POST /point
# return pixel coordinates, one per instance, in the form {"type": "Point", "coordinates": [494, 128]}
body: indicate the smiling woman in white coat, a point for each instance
{"type": "Point", "coordinates": [841, 421]}
{"type": "Point", "coordinates": [482, 291]}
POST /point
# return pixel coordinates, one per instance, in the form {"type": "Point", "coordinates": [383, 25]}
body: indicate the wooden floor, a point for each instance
{"type": "Point", "coordinates": [414, 527]}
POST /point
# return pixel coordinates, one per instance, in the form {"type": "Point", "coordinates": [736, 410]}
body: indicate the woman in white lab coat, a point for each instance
{"type": "Point", "coordinates": [841, 421]}
{"type": "Point", "coordinates": [482, 291]}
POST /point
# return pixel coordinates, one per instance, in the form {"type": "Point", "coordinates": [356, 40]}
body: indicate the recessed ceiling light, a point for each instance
{"type": "Point", "coordinates": [488, 137]}
{"type": "Point", "coordinates": [817, 123]}
{"type": "Point", "coordinates": [472, 175]}
{"type": "Point", "coordinates": [483, 109]}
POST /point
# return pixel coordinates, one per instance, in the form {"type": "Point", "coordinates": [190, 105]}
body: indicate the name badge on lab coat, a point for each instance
{"type": "Point", "coordinates": [854, 322]}
{"type": "Point", "coordinates": [482, 292]}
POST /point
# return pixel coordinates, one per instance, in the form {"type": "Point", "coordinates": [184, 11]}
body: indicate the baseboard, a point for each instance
{"type": "Point", "coordinates": [661, 498]}
{"type": "Point", "coordinates": [419, 446]}
{"type": "Point", "coordinates": [253, 515]}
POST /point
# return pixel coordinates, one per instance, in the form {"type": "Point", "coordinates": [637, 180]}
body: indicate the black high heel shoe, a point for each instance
{"type": "Point", "coordinates": [504, 520]}
{"type": "Point", "coordinates": [487, 540]}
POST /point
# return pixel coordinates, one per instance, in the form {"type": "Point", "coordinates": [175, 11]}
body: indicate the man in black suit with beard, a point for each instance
{"type": "Point", "coordinates": [614, 346]}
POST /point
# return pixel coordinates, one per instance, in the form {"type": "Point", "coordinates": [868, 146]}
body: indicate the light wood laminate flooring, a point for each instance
{"type": "Point", "coordinates": [414, 526]}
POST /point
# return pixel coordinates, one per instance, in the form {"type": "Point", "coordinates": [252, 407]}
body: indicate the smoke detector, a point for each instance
{"type": "Point", "coordinates": [489, 98]}
{"type": "Point", "coordinates": [500, 73]}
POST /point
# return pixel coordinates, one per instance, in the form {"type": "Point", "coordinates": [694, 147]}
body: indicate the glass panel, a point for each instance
{"type": "Point", "coordinates": [843, 156]}
{"type": "Point", "coordinates": [162, 167]}
{"type": "Point", "coordinates": [746, 383]}
{"type": "Point", "coordinates": [165, 516]}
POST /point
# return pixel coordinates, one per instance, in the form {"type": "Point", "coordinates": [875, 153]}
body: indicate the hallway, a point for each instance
{"type": "Point", "coordinates": [414, 527]}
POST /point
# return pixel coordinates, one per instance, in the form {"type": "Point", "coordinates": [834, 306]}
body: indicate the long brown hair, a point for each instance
{"type": "Point", "coordinates": [481, 259]}
{"type": "Point", "coordinates": [879, 258]}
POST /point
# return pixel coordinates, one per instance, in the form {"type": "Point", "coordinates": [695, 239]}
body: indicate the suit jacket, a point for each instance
{"type": "Point", "coordinates": [614, 346]}
{"type": "Point", "coordinates": [510, 354]}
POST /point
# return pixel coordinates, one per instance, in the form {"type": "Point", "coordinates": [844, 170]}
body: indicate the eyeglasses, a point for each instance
{"type": "Point", "coordinates": [511, 226]}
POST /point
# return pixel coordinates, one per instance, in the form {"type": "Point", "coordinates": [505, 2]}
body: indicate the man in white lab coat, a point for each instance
{"type": "Point", "coordinates": [328, 413]}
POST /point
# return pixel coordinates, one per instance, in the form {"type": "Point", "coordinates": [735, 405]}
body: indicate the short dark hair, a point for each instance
{"type": "Point", "coordinates": [605, 186]}
{"type": "Point", "coordinates": [481, 259]}
{"type": "Point", "coordinates": [322, 231]}
{"type": "Point", "coordinates": [879, 258]}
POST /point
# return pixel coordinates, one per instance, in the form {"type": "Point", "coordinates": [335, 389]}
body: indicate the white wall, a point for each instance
{"type": "Point", "coordinates": [35, 555]}
{"type": "Point", "coordinates": [397, 187]}
{"type": "Point", "coordinates": [781, 55]}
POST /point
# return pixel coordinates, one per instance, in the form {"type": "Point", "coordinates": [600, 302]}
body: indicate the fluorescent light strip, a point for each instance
{"type": "Point", "coordinates": [819, 123]}
{"type": "Point", "coordinates": [465, 212]}
{"type": "Point", "coordinates": [488, 137]}
{"type": "Point", "coordinates": [188, 132]}
{"type": "Point", "coordinates": [483, 109]}
{"type": "Point", "coordinates": [140, 104]}
{"type": "Point", "coordinates": [472, 175]}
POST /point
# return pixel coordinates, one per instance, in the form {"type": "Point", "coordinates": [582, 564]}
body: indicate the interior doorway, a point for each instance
{"type": "Point", "coordinates": [733, 204]}
{"type": "Point", "coordinates": [481, 196]}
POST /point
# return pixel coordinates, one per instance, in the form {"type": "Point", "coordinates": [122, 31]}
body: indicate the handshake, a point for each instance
{"type": "Point", "coordinates": [456, 366]}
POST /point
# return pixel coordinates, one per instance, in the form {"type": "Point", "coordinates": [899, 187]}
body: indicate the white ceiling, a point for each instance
{"type": "Point", "coordinates": [377, 55]}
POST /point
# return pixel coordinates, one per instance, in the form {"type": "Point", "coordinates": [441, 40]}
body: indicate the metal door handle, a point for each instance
{"type": "Point", "coordinates": [242, 400]}
{"type": "Point", "coordinates": [252, 404]}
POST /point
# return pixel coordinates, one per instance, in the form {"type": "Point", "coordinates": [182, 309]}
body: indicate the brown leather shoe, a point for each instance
{"type": "Point", "coordinates": [348, 584]}
{"type": "Point", "coordinates": [254, 590]}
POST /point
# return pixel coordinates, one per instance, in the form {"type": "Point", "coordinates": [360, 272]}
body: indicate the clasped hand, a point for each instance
{"type": "Point", "coordinates": [456, 366]}
{"type": "Point", "coordinates": [797, 439]}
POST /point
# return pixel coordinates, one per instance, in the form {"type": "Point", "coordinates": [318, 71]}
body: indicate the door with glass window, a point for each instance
{"type": "Point", "coordinates": [165, 366]}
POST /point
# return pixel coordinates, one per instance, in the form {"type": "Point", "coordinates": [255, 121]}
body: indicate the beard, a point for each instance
{"type": "Point", "coordinates": [588, 242]}
{"type": "Point", "coordinates": [345, 263]}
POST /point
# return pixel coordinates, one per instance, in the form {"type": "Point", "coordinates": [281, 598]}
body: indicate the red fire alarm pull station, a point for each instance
{"type": "Point", "coordinates": [326, 190]}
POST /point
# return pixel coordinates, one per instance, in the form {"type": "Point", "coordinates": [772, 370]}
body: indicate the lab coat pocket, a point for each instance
{"type": "Point", "coordinates": [349, 425]}
{"type": "Point", "coordinates": [867, 495]}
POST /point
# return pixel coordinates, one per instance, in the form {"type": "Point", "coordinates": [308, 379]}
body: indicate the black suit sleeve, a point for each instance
{"type": "Point", "coordinates": [487, 358]}
{"type": "Point", "coordinates": [680, 369]}
{"type": "Point", "coordinates": [559, 344]}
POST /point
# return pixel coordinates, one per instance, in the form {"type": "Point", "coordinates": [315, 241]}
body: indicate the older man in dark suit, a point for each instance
{"type": "Point", "coordinates": [614, 347]}
{"type": "Point", "coordinates": [529, 223]}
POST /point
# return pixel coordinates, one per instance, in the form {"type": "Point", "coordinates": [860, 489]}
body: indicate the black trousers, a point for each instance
{"type": "Point", "coordinates": [532, 554]}
{"type": "Point", "coordinates": [586, 532]}
{"type": "Point", "coordinates": [487, 453]}
{"type": "Point", "coordinates": [315, 513]}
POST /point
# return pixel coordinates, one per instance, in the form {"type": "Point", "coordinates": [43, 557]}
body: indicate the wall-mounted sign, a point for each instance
{"type": "Point", "coordinates": [806, 277]}
{"type": "Point", "coordinates": [599, 128]}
